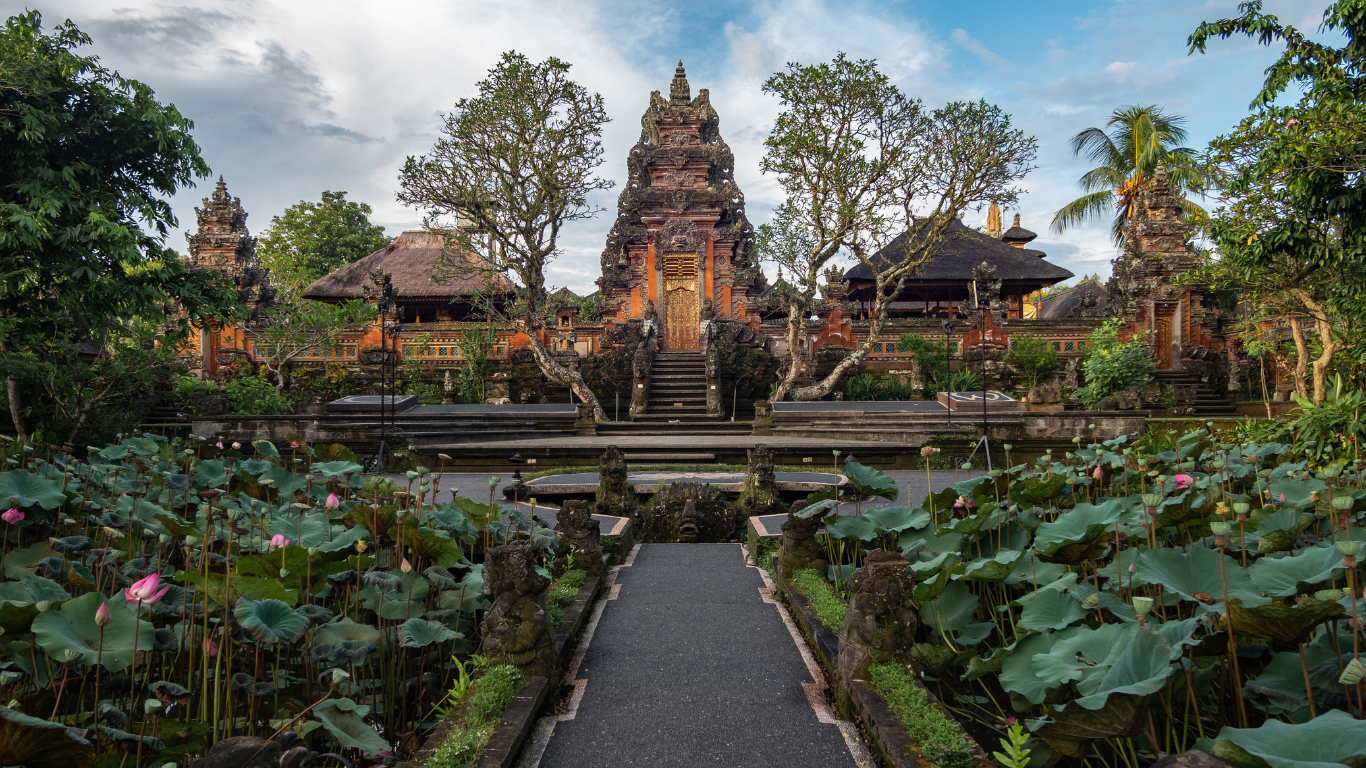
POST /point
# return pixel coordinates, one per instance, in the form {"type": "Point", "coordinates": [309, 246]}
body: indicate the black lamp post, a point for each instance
{"type": "Point", "coordinates": [516, 461]}
{"type": "Point", "coordinates": [386, 306]}
{"type": "Point", "coordinates": [948, 369]}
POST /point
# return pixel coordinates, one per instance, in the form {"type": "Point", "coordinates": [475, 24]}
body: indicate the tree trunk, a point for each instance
{"type": "Point", "coordinates": [562, 374]}
{"type": "Point", "coordinates": [1330, 345]}
{"type": "Point", "coordinates": [12, 393]}
{"type": "Point", "coordinates": [822, 388]}
{"type": "Point", "coordinates": [794, 327]}
{"type": "Point", "coordinates": [1301, 357]}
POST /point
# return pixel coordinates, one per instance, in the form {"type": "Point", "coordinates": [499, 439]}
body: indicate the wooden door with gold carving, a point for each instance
{"type": "Point", "coordinates": [1162, 341]}
{"type": "Point", "coordinates": [680, 303]}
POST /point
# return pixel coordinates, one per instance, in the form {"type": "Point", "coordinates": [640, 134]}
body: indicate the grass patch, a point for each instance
{"type": "Point", "coordinates": [561, 594]}
{"type": "Point", "coordinates": [822, 597]}
{"type": "Point", "coordinates": [941, 742]}
{"type": "Point", "coordinates": [484, 708]}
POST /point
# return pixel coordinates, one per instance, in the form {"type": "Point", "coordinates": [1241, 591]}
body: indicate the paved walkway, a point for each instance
{"type": "Point", "coordinates": [689, 662]}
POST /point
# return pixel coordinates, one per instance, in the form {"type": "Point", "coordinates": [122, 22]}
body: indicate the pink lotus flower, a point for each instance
{"type": "Point", "coordinates": [293, 443]}
{"type": "Point", "coordinates": [102, 616]}
{"type": "Point", "coordinates": [210, 647]}
{"type": "Point", "coordinates": [405, 566]}
{"type": "Point", "coordinates": [332, 501]}
{"type": "Point", "coordinates": [278, 541]}
{"type": "Point", "coordinates": [145, 590]}
{"type": "Point", "coordinates": [1184, 481]}
{"type": "Point", "coordinates": [1098, 474]}
{"type": "Point", "coordinates": [964, 502]}
{"type": "Point", "coordinates": [236, 445]}
{"type": "Point", "coordinates": [12, 516]}
{"type": "Point", "coordinates": [1282, 498]}
{"type": "Point", "coordinates": [219, 443]}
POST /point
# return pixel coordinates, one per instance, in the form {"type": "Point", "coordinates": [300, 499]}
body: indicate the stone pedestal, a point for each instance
{"type": "Point", "coordinates": [763, 418]}
{"type": "Point", "coordinates": [585, 424]}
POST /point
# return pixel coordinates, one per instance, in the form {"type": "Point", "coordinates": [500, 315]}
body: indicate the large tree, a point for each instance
{"type": "Point", "coordinates": [300, 328]}
{"type": "Point", "coordinates": [310, 240]}
{"type": "Point", "coordinates": [857, 159]}
{"type": "Point", "coordinates": [517, 162]}
{"type": "Point", "coordinates": [87, 161]}
{"type": "Point", "coordinates": [1293, 226]}
{"type": "Point", "coordinates": [1127, 151]}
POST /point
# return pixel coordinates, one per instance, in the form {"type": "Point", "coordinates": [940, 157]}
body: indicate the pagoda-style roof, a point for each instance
{"type": "Point", "coordinates": [963, 249]}
{"type": "Point", "coordinates": [1018, 235]}
{"type": "Point", "coordinates": [409, 261]}
{"type": "Point", "coordinates": [1088, 294]}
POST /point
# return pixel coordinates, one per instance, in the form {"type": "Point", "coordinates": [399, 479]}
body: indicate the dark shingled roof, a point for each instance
{"type": "Point", "coordinates": [1068, 303]}
{"type": "Point", "coordinates": [409, 261]}
{"type": "Point", "coordinates": [964, 248]}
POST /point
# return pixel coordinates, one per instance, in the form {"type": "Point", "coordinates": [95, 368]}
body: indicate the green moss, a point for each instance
{"type": "Point", "coordinates": [942, 743]}
{"type": "Point", "coordinates": [822, 597]}
{"type": "Point", "coordinates": [492, 692]}
{"type": "Point", "coordinates": [562, 594]}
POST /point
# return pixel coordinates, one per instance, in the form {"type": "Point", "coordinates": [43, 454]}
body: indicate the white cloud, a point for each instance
{"type": "Point", "coordinates": [1117, 67]}
{"type": "Point", "coordinates": [970, 43]}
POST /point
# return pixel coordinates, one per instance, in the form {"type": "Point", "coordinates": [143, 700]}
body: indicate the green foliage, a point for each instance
{"type": "Point", "coordinates": [1331, 428]}
{"type": "Point", "coordinates": [822, 596]}
{"type": "Point", "coordinates": [475, 345]}
{"type": "Point", "coordinates": [937, 736]}
{"type": "Point", "coordinates": [1034, 355]}
{"type": "Point", "coordinates": [301, 328]}
{"type": "Point", "coordinates": [1112, 365]}
{"type": "Point", "coordinates": [253, 396]}
{"type": "Point", "coordinates": [492, 693]}
{"type": "Point", "coordinates": [312, 239]}
{"type": "Point", "coordinates": [1015, 755]}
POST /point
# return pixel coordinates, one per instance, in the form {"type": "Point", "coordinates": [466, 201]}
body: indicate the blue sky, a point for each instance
{"type": "Point", "coordinates": [291, 97]}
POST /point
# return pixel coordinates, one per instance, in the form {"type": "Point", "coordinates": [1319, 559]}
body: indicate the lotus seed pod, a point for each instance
{"type": "Point", "coordinates": [965, 466]}
{"type": "Point", "coordinates": [1142, 605]}
{"type": "Point", "coordinates": [1328, 594]}
{"type": "Point", "coordinates": [995, 473]}
{"type": "Point", "coordinates": [1008, 446]}
{"type": "Point", "coordinates": [165, 539]}
{"type": "Point", "coordinates": [1343, 502]}
{"type": "Point", "coordinates": [191, 540]}
{"type": "Point", "coordinates": [151, 706]}
{"type": "Point", "coordinates": [1353, 673]}
{"type": "Point", "coordinates": [71, 654]}
{"type": "Point", "coordinates": [1090, 426]}
{"type": "Point", "coordinates": [1092, 600]}
{"type": "Point", "coordinates": [43, 606]}
{"type": "Point", "coordinates": [1220, 528]}
{"type": "Point", "coordinates": [1152, 499]}
{"type": "Point", "coordinates": [1331, 471]}
{"type": "Point", "coordinates": [312, 551]}
{"type": "Point", "coordinates": [1347, 547]}
{"type": "Point", "coordinates": [493, 482]}
{"type": "Point", "coordinates": [1241, 507]}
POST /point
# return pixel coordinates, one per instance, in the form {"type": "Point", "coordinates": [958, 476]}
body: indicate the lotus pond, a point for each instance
{"type": "Point", "coordinates": [1125, 604]}
{"type": "Point", "coordinates": [162, 595]}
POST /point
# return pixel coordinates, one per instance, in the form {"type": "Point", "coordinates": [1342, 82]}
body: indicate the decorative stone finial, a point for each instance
{"type": "Point", "coordinates": [994, 220]}
{"type": "Point", "coordinates": [679, 92]}
{"type": "Point", "coordinates": [1017, 220]}
{"type": "Point", "coordinates": [220, 191]}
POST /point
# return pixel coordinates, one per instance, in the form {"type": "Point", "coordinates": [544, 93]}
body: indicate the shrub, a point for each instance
{"type": "Point", "coordinates": [822, 597]}
{"type": "Point", "coordinates": [1112, 365]}
{"type": "Point", "coordinates": [1034, 355]}
{"type": "Point", "coordinates": [254, 397]}
{"type": "Point", "coordinates": [941, 743]}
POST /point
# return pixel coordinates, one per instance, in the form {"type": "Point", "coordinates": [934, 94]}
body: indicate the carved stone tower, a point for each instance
{"type": "Point", "coordinates": [681, 236]}
{"type": "Point", "coordinates": [1141, 290]}
{"type": "Point", "coordinates": [224, 245]}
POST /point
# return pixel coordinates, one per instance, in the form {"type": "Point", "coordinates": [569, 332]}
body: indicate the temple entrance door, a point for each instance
{"type": "Point", "coordinates": [680, 303]}
{"type": "Point", "coordinates": [1162, 341]}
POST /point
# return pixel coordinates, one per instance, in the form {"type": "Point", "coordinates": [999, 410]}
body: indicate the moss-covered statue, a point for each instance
{"type": "Point", "coordinates": [760, 496]}
{"type": "Point", "coordinates": [614, 491]}
{"type": "Point", "coordinates": [879, 623]}
{"type": "Point", "coordinates": [580, 537]}
{"type": "Point", "coordinates": [516, 628]}
{"type": "Point", "coordinates": [800, 547]}
{"type": "Point", "coordinates": [686, 512]}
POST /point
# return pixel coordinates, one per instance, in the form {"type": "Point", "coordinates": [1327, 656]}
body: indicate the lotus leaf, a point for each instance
{"type": "Point", "coordinates": [73, 628]}
{"type": "Point", "coordinates": [36, 743]}
{"type": "Point", "coordinates": [1081, 527]}
{"type": "Point", "coordinates": [1083, 655]}
{"type": "Point", "coordinates": [1139, 671]}
{"type": "Point", "coordinates": [994, 568]}
{"type": "Point", "coordinates": [1032, 571]}
{"type": "Point", "coordinates": [343, 542]}
{"type": "Point", "coordinates": [852, 527]}
{"type": "Point", "coordinates": [265, 448]}
{"type": "Point", "coordinates": [1017, 671]}
{"type": "Point", "coordinates": [1280, 530]}
{"type": "Point", "coordinates": [1284, 576]}
{"type": "Point", "coordinates": [1178, 634]}
{"type": "Point", "coordinates": [952, 610]}
{"type": "Point", "coordinates": [897, 518]}
{"type": "Point", "coordinates": [936, 658]}
{"type": "Point", "coordinates": [309, 530]}
{"type": "Point", "coordinates": [344, 719]}
{"type": "Point", "coordinates": [1297, 492]}
{"type": "Point", "coordinates": [345, 629]}
{"type": "Point", "coordinates": [1332, 739]}
{"type": "Point", "coordinates": [935, 540]}
{"type": "Point", "coordinates": [819, 509]}
{"type": "Point", "coordinates": [1072, 730]}
{"type": "Point", "coordinates": [210, 473]}
{"type": "Point", "coordinates": [940, 500]}
{"type": "Point", "coordinates": [1049, 609]}
{"type": "Point", "coordinates": [334, 469]}
{"type": "Point", "coordinates": [270, 621]}
{"type": "Point", "coordinates": [1037, 490]}
{"type": "Point", "coordinates": [21, 488]}
{"type": "Point", "coordinates": [867, 481]}
{"type": "Point", "coordinates": [250, 587]}
{"type": "Point", "coordinates": [1196, 570]}
{"type": "Point", "coordinates": [417, 633]}
{"type": "Point", "coordinates": [1281, 683]}
{"type": "Point", "coordinates": [315, 614]}
{"type": "Point", "coordinates": [993, 664]}
{"type": "Point", "coordinates": [974, 633]}
{"type": "Point", "coordinates": [1289, 625]}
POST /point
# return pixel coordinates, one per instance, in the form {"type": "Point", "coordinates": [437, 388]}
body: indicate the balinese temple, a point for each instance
{"type": "Point", "coordinates": [680, 247]}
{"type": "Point", "coordinates": [942, 286]}
{"type": "Point", "coordinates": [409, 262]}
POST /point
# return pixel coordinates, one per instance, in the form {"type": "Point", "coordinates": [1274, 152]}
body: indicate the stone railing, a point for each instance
{"type": "Point", "coordinates": [641, 364]}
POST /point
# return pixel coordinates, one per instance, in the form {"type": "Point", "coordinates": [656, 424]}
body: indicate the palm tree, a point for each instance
{"type": "Point", "coordinates": [1139, 140]}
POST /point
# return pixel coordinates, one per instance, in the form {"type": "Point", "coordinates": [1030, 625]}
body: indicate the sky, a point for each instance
{"type": "Point", "coordinates": [293, 97]}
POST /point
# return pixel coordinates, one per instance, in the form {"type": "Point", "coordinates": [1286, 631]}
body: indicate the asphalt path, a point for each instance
{"type": "Point", "coordinates": [689, 666]}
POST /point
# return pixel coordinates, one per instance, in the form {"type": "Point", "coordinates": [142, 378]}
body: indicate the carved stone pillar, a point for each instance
{"type": "Point", "coordinates": [516, 628]}
{"type": "Point", "coordinates": [763, 418]}
{"type": "Point", "coordinates": [580, 537]}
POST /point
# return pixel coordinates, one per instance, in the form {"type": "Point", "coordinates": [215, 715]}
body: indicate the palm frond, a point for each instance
{"type": "Point", "coordinates": [1081, 210]}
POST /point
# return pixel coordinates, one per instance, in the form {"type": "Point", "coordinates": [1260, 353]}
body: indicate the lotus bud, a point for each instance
{"type": "Point", "coordinates": [1098, 474]}
{"type": "Point", "coordinates": [102, 615]}
{"type": "Point", "coordinates": [278, 541]}
{"type": "Point", "coordinates": [1142, 605]}
{"type": "Point", "coordinates": [43, 605]}
{"type": "Point", "coordinates": [210, 647]}
{"type": "Point", "coordinates": [12, 516]}
{"type": "Point", "coordinates": [1343, 502]}
{"type": "Point", "coordinates": [1092, 600]}
{"type": "Point", "coordinates": [332, 501]}
{"type": "Point", "coordinates": [1353, 673]}
{"type": "Point", "coordinates": [236, 445]}
{"type": "Point", "coordinates": [1132, 569]}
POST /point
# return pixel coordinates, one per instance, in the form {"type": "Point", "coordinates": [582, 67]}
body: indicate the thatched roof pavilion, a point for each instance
{"type": "Point", "coordinates": [409, 261]}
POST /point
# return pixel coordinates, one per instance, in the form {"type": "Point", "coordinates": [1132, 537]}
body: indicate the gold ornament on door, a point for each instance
{"type": "Point", "coordinates": [680, 303]}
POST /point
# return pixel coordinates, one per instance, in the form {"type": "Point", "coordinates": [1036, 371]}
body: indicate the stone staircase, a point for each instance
{"type": "Point", "coordinates": [678, 389]}
{"type": "Point", "coordinates": [1208, 401]}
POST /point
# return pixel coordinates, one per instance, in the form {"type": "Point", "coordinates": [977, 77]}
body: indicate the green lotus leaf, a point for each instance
{"type": "Point", "coordinates": [1083, 526]}
{"type": "Point", "coordinates": [1178, 634]}
{"type": "Point", "coordinates": [819, 509]}
{"type": "Point", "coordinates": [1279, 530]}
{"type": "Point", "coordinates": [36, 743]}
{"type": "Point", "coordinates": [1297, 492]}
{"type": "Point", "coordinates": [897, 518]}
{"type": "Point", "coordinates": [867, 481]}
{"type": "Point", "coordinates": [1287, 576]}
{"type": "Point", "coordinates": [940, 500]}
{"type": "Point", "coordinates": [992, 665]}
{"type": "Point", "coordinates": [1139, 671]}
{"type": "Point", "coordinates": [331, 469]}
{"type": "Point", "coordinates": [417, 633]}
{"type": "Point", "coordinates": [1196, 570]}
{"type": "Point", "coordinates": [990, 568]}
{"type": "Point", "coordinates": [1072, 730]}
{"type": "Point", "coordinates": [130, 741]}
{"type": "Point", "coordinates": [1032, 571]}
{"type": "Point", "coordinates": [1035, 490]}
{"type": "Point", "coordinates": [1288, 625]}
{"type": "Point", "coordinates": [974, 633]}
{"type": "Point", "coordinates": [852, 527]}
{"type": "Point", "coordinates": [265, 448]}
{"type": "Point", "coordinates": [1083, 655]}
{"type": "Point", "coordinates": [932, 539]}
{"type": "Point", "coordinates": [1280, 686]}
{"type": "Point", "coordinates": [270, 621]}
{"type": "Point", "coordinates": [343, 630]}
{"type": "Point", "coordinates": [250, 587]}
{"type": "Point", "coordinates": [936, 658]}
{"type": "Point", "coordinates": [22, 488]}
{"type": "Point", "coordinates": [345, 542]}
{"type": "Point", "coordinates": [253, 467]}
{"type": "Point", "coordinates": [345, 721]}
{"type": "Point", "coordinates": [1049, 609]}
{"type": "Point", "coordinates": [1332, 739]}
{"type": "Point", "coordinates": [210, 473]}
{"type": "Point", "coordinates": [952, 610]}
{"type": "Point", "coordinates": [73, 627]}
{"type": "Point", "coordinates": [1017, 672]}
